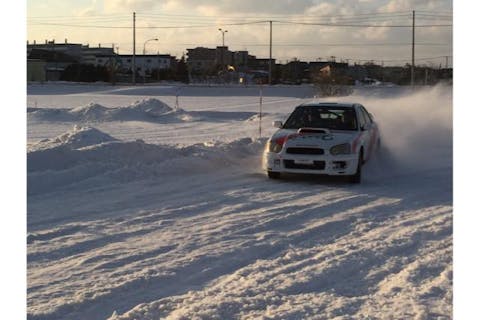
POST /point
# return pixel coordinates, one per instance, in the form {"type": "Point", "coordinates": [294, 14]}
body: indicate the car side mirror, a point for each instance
{"type": "Point", "coordinates": [277, 124]}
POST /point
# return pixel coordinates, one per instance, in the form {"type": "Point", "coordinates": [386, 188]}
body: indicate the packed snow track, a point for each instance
{"type": "Point", "coordinates": [140, 210]}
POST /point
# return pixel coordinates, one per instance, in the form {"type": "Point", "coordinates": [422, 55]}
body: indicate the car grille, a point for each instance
{"type": "Point", "coordinates": [299, 150]}
{"type": "Point", "coordinates": [317, 165]}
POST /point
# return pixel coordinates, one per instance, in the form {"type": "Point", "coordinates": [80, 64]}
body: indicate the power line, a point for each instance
{"type": "Point", "coordinates": [360, 25]}
{"type": "Point", "coordinates": [79, 17]}
{"type": "Point", "coordinates": [284, 15]}
{"type": "Point", "coordinates": [305, 17]}
{"type": "Point", "coordinates": [367, 20]}
{"type": "Point", "coordinates": [80, 26]}
{"type": "Point", "coordinates": [150, 27]}
{"type": "Point", "coordinates": [341, 44]}
{"type": "Point", "coordinates": [434, 15]}
{"type": "Point", "coordinates": [243, 23]}
{"type": "Point", "coordinates": [436, 12]}
{"type": "Point", "coordinates": [303, 44]}
{"type": "Point", "coordinates": [399, 60]}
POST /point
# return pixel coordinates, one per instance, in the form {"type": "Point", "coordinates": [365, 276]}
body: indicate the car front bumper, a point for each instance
{"type": "Point", "coordinates": [310, 164]}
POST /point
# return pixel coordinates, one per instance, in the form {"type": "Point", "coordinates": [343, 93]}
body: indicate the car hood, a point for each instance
{"type": "Point", "coordinates": [314, 140]}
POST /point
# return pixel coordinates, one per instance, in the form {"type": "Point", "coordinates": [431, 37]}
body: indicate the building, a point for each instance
{"type": "Point", "coordinates": [143, 63]}
{"type": "Point", "coordinates": [223, 57]}
{"type": "Point", "coordinates": [90, 54]}
{"type": "Point", "coordinates": [240, 59]}
{"type": "Point", "coordinates": [294, 72]}
{"type": "Point", "coordinates": [36, 70]}
{"type": "Point", "coordinates": [55, 61]}
{"type": "Point", "coordinates": [56, 57]}
{"type": "Point", "coordinates": [201, 60]}
{"type": "Point", "coordinates": [204, 61]}
{"type": "Point", "coordinates": [71, 49]}
{"type": "Point", "coordinates": [262, 64]}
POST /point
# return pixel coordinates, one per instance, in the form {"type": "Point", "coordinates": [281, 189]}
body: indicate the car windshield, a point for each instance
{"type": "Point", "coordinates": [328, 117]}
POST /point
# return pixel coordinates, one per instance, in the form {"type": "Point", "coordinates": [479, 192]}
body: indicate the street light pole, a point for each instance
{"type": "Point", "coordinates": [144, 51]}
{"type": "Point", "coordinates": [223, 44]}
{"type": "Point", "coordinates": [270, 59]}
{"type": "Point", "coordinates": [134, 67]}
{"type": "Point", "coordinates": [145, 43]}
{"type": "Point", "coordinates": [412, 67]}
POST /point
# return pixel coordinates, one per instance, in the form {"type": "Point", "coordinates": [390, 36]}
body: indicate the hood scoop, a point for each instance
{"type": "Point", "coordinates": [313, 130]}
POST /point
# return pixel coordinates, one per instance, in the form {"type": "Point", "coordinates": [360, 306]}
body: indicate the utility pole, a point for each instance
{"type": "Point", "coordinates": [412, 71]}
{"type": "Point", "coordinates": [134, 68]}
{"type": "Point", "coordinates": [260, 112]}
{"type": "Point", "coordinates": [223, 46]}
{"type": "Point", "coordinates": [270, 60]}
{"type": "Point", "coordinates": [446, 62]}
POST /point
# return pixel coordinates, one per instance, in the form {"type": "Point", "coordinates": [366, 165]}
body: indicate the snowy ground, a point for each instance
{"type": "Point", "coordinates": [140, 210]}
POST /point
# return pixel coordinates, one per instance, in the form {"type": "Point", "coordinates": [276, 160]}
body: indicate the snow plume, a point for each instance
{"type": "Point", "coordinates": [86, 153]}
{"type": "Point", "coordinates": [416, 128]}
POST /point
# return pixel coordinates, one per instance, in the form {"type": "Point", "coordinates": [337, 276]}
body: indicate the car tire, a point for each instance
{"type": "Point", "coordinates": [273, 175]}
{"type": "Point", "coordinates": [357, 177]}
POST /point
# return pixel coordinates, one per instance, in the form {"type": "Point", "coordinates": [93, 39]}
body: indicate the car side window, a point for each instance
{"type": "Point", "coordinates": [361, 118]}
{"type": "Point", "coordinates": [366, 115]}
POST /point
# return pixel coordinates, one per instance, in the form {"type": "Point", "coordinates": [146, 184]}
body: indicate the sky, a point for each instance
{"type": "Point", "coordinates": [339, 30]}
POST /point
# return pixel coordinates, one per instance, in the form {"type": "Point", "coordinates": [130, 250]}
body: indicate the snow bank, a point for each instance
{"type": "Point", "coordinates": [146, 107]}
{"type": "Point", "coordinates": [86, 153]}
{"type": "Point", "coordinates": [92, 111]}
{"type": "Point", "coordinates": [77, 138]}
{"type": "Point", "coordinates": [150, 110]}
{"type": "Point", "coordinates": [143, 110]}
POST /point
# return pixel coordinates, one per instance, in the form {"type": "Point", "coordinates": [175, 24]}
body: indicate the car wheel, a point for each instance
{"type": "Point", "coordinates": [357, 177]}
{"type": "Point", "coordinates": [273, 175]}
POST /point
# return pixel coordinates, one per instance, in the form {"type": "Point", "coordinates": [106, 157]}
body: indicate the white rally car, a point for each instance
{"type": "Point", "coordinates": [322, 138]}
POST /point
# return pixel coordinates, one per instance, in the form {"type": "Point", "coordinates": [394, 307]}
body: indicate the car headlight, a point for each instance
{"type": "Point", "coordinates": [343, 148]}
{"type": "Point", "coordinates": [276, 145]}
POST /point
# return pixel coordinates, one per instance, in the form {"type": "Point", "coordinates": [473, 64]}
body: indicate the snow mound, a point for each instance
{"type": "Point", "coordinates": [78, 137]}
{"type": "Point", "coordinates": [151, 106]}
{"type": "Point", "coordinates": [86, 153]}
{"type": "Point", "coordinates": [143, 110]}
{"type": "Point", "coordinates": [92, 111]}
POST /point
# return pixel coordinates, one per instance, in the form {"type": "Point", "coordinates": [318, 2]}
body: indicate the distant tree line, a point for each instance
{"type": "Point", "coordinates": [296, 73]}
{"type": "Point", "coordinates": [85, 73]}
{"type": "Point", "coordinates": [79, 72]}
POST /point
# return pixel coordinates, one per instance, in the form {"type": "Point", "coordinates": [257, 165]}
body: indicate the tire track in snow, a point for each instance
{"type": "Point", "coordinates": [223, 226]}
{"type": "Point", "coordinates": [340, 271]}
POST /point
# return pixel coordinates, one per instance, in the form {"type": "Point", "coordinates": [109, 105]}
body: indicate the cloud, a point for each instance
{"type": "Point", "coordinates": [90, 10]}
{"type": "Point", "coordinates": [129, 5]}
{"type": "Point", "coordinates": [249, 6]}
{"type": "Point", "coordinates": [313, 41]}
{"type": "Point", "coordinates": [208, 10]}
{"type": "Point", "coordinates": [410, 5]}
{"type": "Point", "coordinates": [323, 8]}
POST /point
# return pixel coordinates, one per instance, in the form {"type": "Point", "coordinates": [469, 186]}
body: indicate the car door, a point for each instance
{"type": "Point", "coordinates": [370, 132]}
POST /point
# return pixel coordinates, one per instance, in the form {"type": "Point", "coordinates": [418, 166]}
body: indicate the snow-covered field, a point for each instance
{"type": "Point", "coordinates": [138, 209]}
